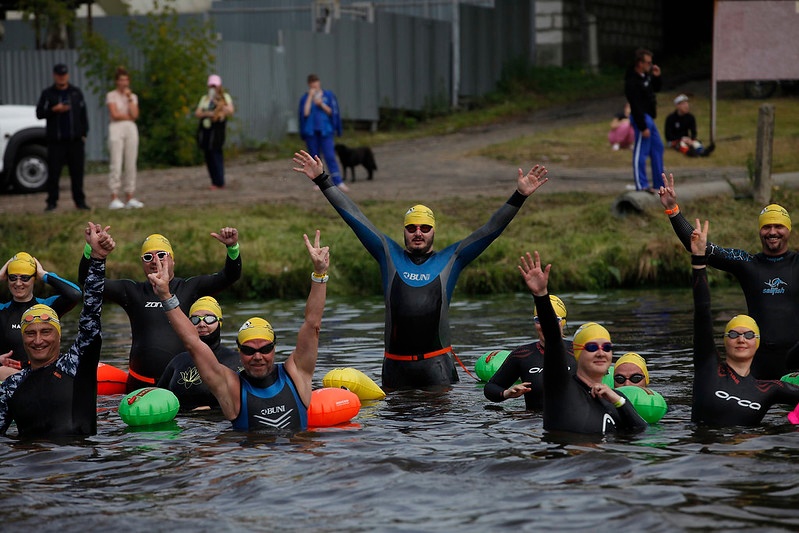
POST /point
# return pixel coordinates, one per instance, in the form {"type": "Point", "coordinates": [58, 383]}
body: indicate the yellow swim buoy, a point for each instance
{"type": "Point", "coordinates": [353, 380]}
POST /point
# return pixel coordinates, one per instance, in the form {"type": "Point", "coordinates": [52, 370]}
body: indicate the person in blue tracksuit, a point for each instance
{"type": "Point", "coordinates": [641, 82]}
{"type": "Point", "coordinates": [320, 120]}
{"type": "Point", "coordinates": [417, 281]}
{"type": "Point", "coordinates": [265, 395]}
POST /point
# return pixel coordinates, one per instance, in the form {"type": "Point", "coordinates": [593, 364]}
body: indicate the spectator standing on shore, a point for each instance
{"type": "Point", "coordinates": [320, 121]}
{"type": "Point", "coordinates": [641, 83]}
{"type": "Point", "coordinates": [64, 108]}
{"type": "Point", "coordinates": [213, 110]}
{"type": "Point", "coordinates": [123, 141]}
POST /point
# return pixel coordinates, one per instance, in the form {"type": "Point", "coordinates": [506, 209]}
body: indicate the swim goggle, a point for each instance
{"type": "Point", "coordinates": [424, 228]}
{"type": "Point", "coordinates": [748, 335]}
{"type": "Point", "coordinates": [148, 257]}
{"type": "Point", "coordinates": [635, 378]}
{"type": "Point", "coordinates": [266, 349]}
{"type": "Point", "coordinates": [24, 277]}
{"type": "Point", "coordinates": [44, 317]}
{"type": "Point", "coordinates": [208, 319]}
{"type": "Point", "coordinates": [535, 319]}
{"type": "Point", "coordinates": [592, 347]}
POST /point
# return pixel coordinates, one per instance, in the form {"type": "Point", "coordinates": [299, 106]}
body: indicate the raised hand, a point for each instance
{"type": "Point", "coordinates": [160, 279]}
{"type": "Point", "coordinates": [308, 165]}
{"type": "Point", "coordinates": [227, 236]}
{"type": "Point", "coordinates": [534, 276]}
{"type": "Point", "coordinates": [699, 238]}
{"type": "Point", "coordinates": [527, 184]}
{"type": "Point", "coordinates": [320, 255]}
{"type": "Point", "coordinates": [668, 198]}
{"type": "Point", "coordinates": [99, 239]}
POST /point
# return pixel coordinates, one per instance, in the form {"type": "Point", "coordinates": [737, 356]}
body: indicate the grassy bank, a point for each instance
{"type": "Point", "coordinates": [589, 249]}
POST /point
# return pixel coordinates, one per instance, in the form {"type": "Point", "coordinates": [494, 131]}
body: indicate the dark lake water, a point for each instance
{"type": "Point", "coordinates": [420, 461]}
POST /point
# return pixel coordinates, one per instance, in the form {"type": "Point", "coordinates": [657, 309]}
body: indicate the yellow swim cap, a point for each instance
{"type": "Point", "coordinates": [256, 328]}
{"type": "Point", "coordinates": [420, 214]}
{"type": "Point", "coordinates": [587, 332]}
{"type": "Point", "coordinates": [39, 313]}
{"type": "Point", "coordinates": [744, 321]}
{"type": "Point", "coordinates": [156, 242]}
{"type": "Point", "coordinates": [637, 360]}
{"type": "Point", "coordinates": [207, 303]}
{"type": "Point", "coordinates": [22, 263]}
{"type": "Point", "coordinates": [774, 214]}
{"type": "Point", "coordinates": [557, 305]}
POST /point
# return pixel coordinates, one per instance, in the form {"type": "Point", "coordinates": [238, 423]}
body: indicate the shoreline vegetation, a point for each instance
{"type": "Point", "coordinates": [588, 247]}
{"type": "Point", "coordinates": [576, 232]}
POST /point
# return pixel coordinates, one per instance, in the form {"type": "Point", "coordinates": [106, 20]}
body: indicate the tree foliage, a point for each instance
{"type": "Point", "coordinates": [54, 18]}
{"type": "Point", "coordinates": [175, 57]}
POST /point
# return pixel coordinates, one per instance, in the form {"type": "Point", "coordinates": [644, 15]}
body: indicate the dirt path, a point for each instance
{"type": "Point", "coordinates": [413, 171]}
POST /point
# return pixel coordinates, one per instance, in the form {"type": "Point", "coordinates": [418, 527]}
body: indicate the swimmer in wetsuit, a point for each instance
{"type": "Point", "coordinates": [725, 392]}
{"type": "Point", "coordinates": [56, 395]}
{"type": "Point", "coordinates": [526, 363]}
{"type": "Point", "coordinates": [22, 271]}
{"type": "Point", "coordinates": [417, 281]}
{"type": "Point", "coordinates": [630, 370]}
{"type": "Point", "coordinates": [154, 343]}
{"type": "Point", "coordinates": [181, 375]}
{"type": "Point", "coordinates": [265, 395]}
{"type": "Point", "coordinates": [580, 402]}
{"type": "Point", "coordinates": [769, 281]}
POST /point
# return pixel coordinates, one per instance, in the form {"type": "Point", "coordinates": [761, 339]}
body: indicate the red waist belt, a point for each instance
{"type": "Point", "coordinates": [143, 379]}
{"type": "Point", "coordinates": [419, 357]}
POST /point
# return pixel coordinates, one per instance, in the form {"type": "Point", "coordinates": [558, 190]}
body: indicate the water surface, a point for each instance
{"type": "Point", "coordinates": [420, 461]}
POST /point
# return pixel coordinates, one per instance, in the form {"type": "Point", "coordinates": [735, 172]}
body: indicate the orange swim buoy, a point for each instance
{"type": "Point", "coordinates": [110, 380]}
{"type": "Point", "coordinates": [332, 406]}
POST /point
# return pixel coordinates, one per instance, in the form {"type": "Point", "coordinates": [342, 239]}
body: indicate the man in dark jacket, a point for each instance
{"type": "Point", "coordinates": [641, 83]}
{"type": "Point", "coordinates": [64, 108]}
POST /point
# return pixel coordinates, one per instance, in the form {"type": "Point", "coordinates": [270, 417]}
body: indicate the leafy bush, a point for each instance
{"type": "Point", "coordinates": [176, 58]}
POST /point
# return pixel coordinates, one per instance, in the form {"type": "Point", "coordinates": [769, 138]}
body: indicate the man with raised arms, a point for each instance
{"type": "Point", "coordinates": [265, 395]}
{"type": "Point", "coordinates": [417, 281]}
{"type": "Point", "coordinates": [769, 280]}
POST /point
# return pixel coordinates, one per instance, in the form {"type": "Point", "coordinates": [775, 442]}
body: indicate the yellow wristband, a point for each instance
{"type": "Point", "coordinates": [319, 278]}
{"type": "Point", "coordinates": [620, 402]}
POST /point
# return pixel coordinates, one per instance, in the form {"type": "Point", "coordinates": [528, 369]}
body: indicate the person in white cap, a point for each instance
{"type": "Point", "coordinates": [213, 110]}
{"type": "Point", "coordinates": [681, 130]}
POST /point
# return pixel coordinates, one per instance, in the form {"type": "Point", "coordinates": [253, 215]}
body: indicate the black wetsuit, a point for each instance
{"type": "Point", "coordinates": [154, 342]}
{"type": "Point", "coordinates": [721, 396]}
{"type": "Point", "coordinates": [67, 298]}
{"type": "Point", "coordinates": [182, 377]}
{"type": "Point", "coordinates": [768, 284]}
{"type": "Point", "coordinates": [417, 292]}
{"type": "Point", "coordinates": [270, 404]}
{"type": "Point", "coordinates": [568, 404]}
{"type": "Point", "coordinates": [60, 399]}
{"type": "Point", "coordinates": [525, 363]}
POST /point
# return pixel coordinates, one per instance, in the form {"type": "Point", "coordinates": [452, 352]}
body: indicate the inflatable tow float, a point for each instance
{"type": "Point", "coordinates": [355, 381]}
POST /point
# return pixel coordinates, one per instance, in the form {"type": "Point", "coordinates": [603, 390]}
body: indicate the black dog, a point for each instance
{"type": "Point", "coordinates": [352, 157]}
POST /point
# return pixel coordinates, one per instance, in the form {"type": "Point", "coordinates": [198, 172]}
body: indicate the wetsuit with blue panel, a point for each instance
{"type": "Point", "coordinates": [270, 404]}
{"type": "Point", "coordinates": [417, 292]}
{"type": "Point", "coordinates": [60, 399]}
{"type": "Point", "coordinates": [68, 295]}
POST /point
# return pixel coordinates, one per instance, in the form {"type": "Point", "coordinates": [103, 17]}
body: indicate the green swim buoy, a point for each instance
{"type": "Point", "coordinates": [488, 363]}
{"type": "Point", "coordinates": [147, 406]}
{"type": "Point", "coordinates": [792, 378]}
{"type": "Point", "coordinates": [648, 403]}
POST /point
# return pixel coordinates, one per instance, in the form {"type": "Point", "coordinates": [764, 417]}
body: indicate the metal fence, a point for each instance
{"type": "Point", "coordinates": [396, 61]}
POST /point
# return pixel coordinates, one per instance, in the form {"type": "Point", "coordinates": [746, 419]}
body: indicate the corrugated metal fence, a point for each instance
{"type": "Point", "coordinates": [399, 61]}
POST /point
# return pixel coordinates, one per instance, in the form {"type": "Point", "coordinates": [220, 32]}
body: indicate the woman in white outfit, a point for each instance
{"type": "Point", "coordinates": [123, 140]}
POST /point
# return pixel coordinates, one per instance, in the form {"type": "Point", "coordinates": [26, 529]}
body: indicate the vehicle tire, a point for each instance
{"type": "Point", "coordinates": [759, 89]}
{"type": "Point", "coordinates": [30, 169]}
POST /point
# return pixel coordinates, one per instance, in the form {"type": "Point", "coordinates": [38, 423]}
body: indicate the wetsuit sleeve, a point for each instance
{"type": "Point", "coordinates": [726, 259]}
{"type": "Point", "coordinates": [786, 394]}
{"type": "Point", "coordinates": [705, 352]}
{"type": "Point", "coordinates": [213, 283]}
{"type": "Point", "coordinates": [472, 246]}
{"type": "Point", "coordinates": [86, 348]}
{"type": "Point", "coordinates": [371, 238]}
{"type": "Point", "coordinates": [68, 295]}
{"type": "Point", "coordinates": [113, 290]}
{"type": "Point", "coordinates": [628, 417]}
{"type": "Point", "coordinates": [504, 377]}
{"type": "Point", "coordinates": [555, 362]}
{"type": "Point", "coordinates": [5, 416]}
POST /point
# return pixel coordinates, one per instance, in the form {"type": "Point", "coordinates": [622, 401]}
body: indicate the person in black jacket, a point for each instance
{"type": "Point", "coordinates": [63, 106]}
{"type": "Point", "coordinates": [680, 130]}
{"type": "Point", "coordinates": [641, 83]}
